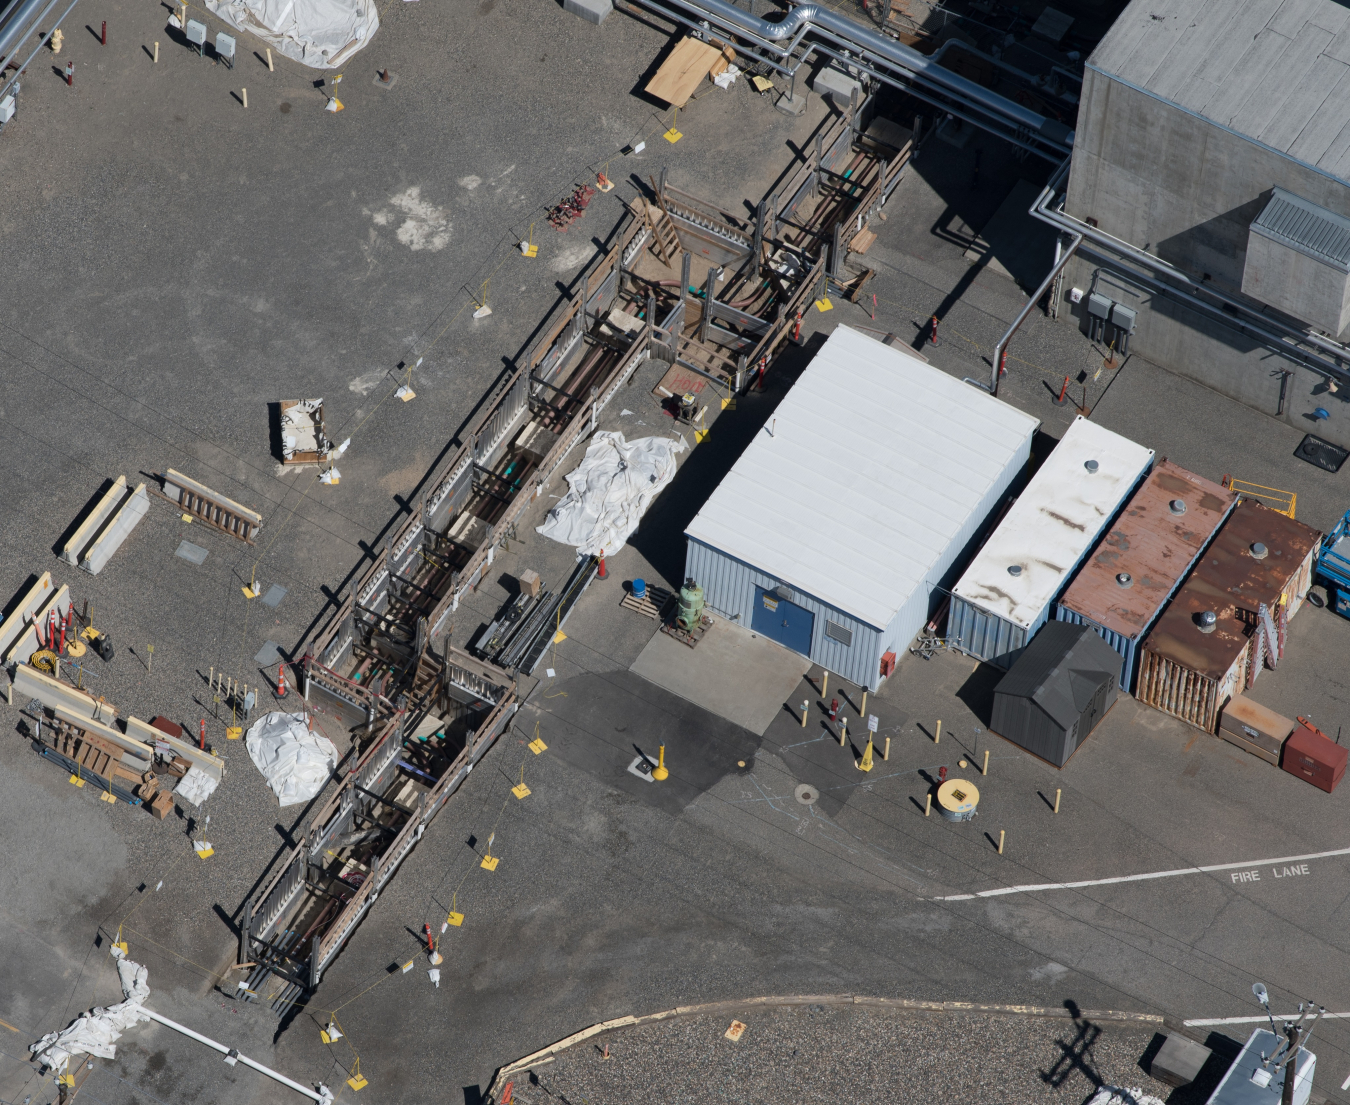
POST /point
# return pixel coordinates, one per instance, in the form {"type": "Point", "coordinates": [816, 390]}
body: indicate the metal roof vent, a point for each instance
{"type": "Point", "coordinates": [1125, 579]}
{"type": "Point", "coordinates": [1177, 506]}
{"type": "Point", "coordinates": [1207, 620]}
{"type": "Point", "coordinates": [1259, 551]}
{"type": "Point", "coordinates": [1091, 466]}
{"type": "Point", "coordinates": [1014, 569]}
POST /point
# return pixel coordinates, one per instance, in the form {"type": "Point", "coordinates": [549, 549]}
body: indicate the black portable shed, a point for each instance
{"type": "Point", "coordinates": [1057, 691]}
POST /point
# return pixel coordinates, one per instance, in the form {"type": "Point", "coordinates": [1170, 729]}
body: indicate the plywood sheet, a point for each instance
{"type": "Point", "coordinates": [680, 73]}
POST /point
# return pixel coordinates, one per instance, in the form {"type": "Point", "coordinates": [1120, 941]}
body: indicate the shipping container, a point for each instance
{"type": "Point", "coordinates": [1007, 592]}
{"type": "Point", "coordinates": [1136, 568]}
{"type": "Point", "coordinates": [1056, 692]}
{"type": "Point", "coordinates": [839, 524]}
{"type": "Point", "coordinates": [1214, 638]}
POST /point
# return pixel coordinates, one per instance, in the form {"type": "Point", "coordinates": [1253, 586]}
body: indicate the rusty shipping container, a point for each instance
{"type": "Point", "coordinates": [1140, 563]}
{"type": "Point", "coordinates": [1212, 642]}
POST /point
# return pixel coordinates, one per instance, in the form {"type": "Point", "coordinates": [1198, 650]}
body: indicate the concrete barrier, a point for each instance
{"type": "Point", "coordinates": [109, 537]}
{"type": "Point", "coordinates": [22, 615]}
{"type": "Point", "coordinates": [141, 731]}
{"type": "Point", "coordinates": [211, 507]}
{"type": "Point", "coordinates": [24, 641]}
{"type": "Point", "coordinates": [83, 537]}
{"type": "Point", "coordinates": [29, 683]}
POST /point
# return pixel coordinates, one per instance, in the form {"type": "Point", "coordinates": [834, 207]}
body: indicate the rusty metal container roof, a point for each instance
{"type": "Point", "coordinates": [1153, 545]}
{"type": "Point", "coordinates": [1229, 579]}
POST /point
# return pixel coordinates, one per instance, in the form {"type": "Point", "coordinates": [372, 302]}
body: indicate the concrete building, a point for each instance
{"type": "Point", "coordinates": [1214, 135]}
{"type": "Point", "coordinates": [835, 529]}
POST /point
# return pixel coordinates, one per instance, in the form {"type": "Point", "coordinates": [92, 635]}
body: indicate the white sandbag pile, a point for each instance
{"type": "Point", "coordinates": [322, 34]}
{"type": "Point", "coordinates": [295, 761]}
{"type": "Point", "coordinates": [97, 1032]}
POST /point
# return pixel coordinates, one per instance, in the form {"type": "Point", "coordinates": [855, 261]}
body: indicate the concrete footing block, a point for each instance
{"type": "Point", "coordinates": [792, 105]}
{"type": "Point", "coordinates": [1178, 1061]}
{"type": "Point", "coordinates": [593, 11]}
{"type": "Point", "coordinates": [836, 82]}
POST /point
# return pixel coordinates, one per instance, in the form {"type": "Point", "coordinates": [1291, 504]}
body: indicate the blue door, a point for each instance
{"type": "Point", "coordinates": [783, 621]}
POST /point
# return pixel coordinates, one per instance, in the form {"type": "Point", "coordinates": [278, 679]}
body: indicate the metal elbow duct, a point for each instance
{"type": "Point", "coordinates": [889, 52]}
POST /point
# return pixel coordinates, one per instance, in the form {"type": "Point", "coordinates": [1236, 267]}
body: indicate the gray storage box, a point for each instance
{"type": "Point", "coordinates": [1178, 1062]}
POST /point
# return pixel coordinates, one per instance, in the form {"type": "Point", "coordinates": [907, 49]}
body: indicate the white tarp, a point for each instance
{"type": "Point", "coordinates": [322, 34]}
{"type": "Point", "coordinates": [196, 786]}
{"type": "Point", "coordinates": [97, 1031]}
{"type": "Point", "coordinates": [1114, 1095]}
{"type": "Point", "coordinates": [295, 761]}
{"type": "Point", "coordinates": [610, 490]}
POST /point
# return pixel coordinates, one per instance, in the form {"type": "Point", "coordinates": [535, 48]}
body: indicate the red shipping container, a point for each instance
{"type": "Point", "coordinates": [1313, 756]}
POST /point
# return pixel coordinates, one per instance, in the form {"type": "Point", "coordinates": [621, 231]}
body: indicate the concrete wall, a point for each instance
{"type": "Point", "coordinates": [1187, 190]}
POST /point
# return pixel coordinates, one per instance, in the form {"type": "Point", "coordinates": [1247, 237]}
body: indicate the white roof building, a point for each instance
{"type": "Point", "coordinates": [856, 498]}
{"type": "Point", "coordinates": [1031, 556]}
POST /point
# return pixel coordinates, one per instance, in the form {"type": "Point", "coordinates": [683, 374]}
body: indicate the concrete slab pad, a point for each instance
{"type": "Point", "coordinates": [194, 553]}
{"type": "Point", "coordinates": [733, 673]}
{"type": "Point", "coordinates": [270, 653]}
{"type": "Point", "coordinates": [593, 11]}
{"type": "Point", "coordinates": [274, 595]}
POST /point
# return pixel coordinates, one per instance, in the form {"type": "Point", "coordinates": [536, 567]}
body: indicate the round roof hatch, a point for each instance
{"type": "Point", "coordinates": [1259, 551]}
{"type": "Point", "coordinates": [1177, 506]}
{"type": "Point", "coordinates": [1091, 465]}
{"type": "Point", "coordinates": [1125, 579]}
{"type": "Point", "coordinates": [1014, 569]}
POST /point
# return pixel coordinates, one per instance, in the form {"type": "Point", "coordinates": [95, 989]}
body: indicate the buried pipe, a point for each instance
{"type": "Point", "coordinates": [323, 1096]}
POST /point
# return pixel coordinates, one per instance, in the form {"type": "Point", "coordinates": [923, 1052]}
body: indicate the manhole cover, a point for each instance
{"type": "Point", "coordinates": [806, 794]}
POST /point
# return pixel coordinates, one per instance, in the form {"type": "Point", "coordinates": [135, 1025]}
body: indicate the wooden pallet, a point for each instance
{"type": "Point", "coordinates": [651, 605]}
{"type": "Point", "coordinates": [689, 638]}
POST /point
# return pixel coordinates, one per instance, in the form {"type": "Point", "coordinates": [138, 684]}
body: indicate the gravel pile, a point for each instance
{"type": "Point", "coordinates": [807, 1054]}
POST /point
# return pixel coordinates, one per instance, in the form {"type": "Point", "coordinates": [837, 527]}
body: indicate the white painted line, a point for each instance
{"type": "Point", "coordinates": [1346, 1084]}
{"type": "Point", "coordinates": [1210, 1022]}
{"type": "Point", "coordinates": [1036, 887]}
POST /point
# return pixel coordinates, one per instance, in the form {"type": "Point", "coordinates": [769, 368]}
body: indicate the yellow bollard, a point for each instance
{"type": "Point", "coordinates": [862, 710]}
{"type": "Point", "coordinates": [985, 769]}
{"type": "Point", "coordinates": [937, 736]}
{"type": "Point", "coordinates": [843, 730]}
{"type": "Point", "coordinates": [269, 60]}
{"type": "Point", "coordinates": [660, 774]}
{"type": "Point", "coordinates": [156, 53]}
{"type": "Point", "coordinates": [1000, 841]}
{"type": "Point", "coordinates": [244, 94]}
{"type": "Point", "coordinates": [824, 683]}
{"type": "Point", "coordinates": [886, 752]}
{"type": "Point", "coordinates": [805, 707]}
{"type": "Point", "coordinates": [928, 803]}
{"type": "Point", "coordinates": [1056, 809]}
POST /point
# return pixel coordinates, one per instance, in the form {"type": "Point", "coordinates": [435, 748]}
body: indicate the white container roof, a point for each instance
{"type": "Point", "coordinates": [1053, 523]}
{"type": "Point", "coordinates": [871, 466]}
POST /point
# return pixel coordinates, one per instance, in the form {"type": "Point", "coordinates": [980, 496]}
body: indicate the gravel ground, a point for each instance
{"type": "Point", "coordinates": [819, 1053]}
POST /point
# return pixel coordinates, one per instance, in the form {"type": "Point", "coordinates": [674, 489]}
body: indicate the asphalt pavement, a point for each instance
{"type": "Point", "coordinates": [175, 264]}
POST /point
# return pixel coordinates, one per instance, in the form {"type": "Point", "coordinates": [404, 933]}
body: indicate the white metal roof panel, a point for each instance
{"type": "Point", "coordinates": [1053, 523]}
{"type": "Point", "coordinates": [1270, 70]}
{"type": "Point", "coordinates": [871, 465]}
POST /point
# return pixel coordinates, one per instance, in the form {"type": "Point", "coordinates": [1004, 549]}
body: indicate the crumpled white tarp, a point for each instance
{"type": "Point", "coordinates": [295, 761]}
{"type": "Point", "coordinates": [322, 34]}
{"type": "Point", "coordinates": [196, 786]}
{"type": "Point", "coordinates": [97, 1031]}
{"type": "Point", "coordinates": [1114, 1095]}
{"type": "Point", "coordinates": [610, 490]}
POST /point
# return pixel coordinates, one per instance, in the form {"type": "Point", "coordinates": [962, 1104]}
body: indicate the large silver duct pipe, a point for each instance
{"type": "Point", "coordinates": [21, 19]}
{"type": "Point", "coordinates": [880, 50]}
{"type": "Point", "coordinates": [1240, 316]}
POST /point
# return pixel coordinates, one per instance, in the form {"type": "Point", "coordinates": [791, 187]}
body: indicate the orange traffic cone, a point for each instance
{"type": "Point", "coordinates": [281, 680]}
